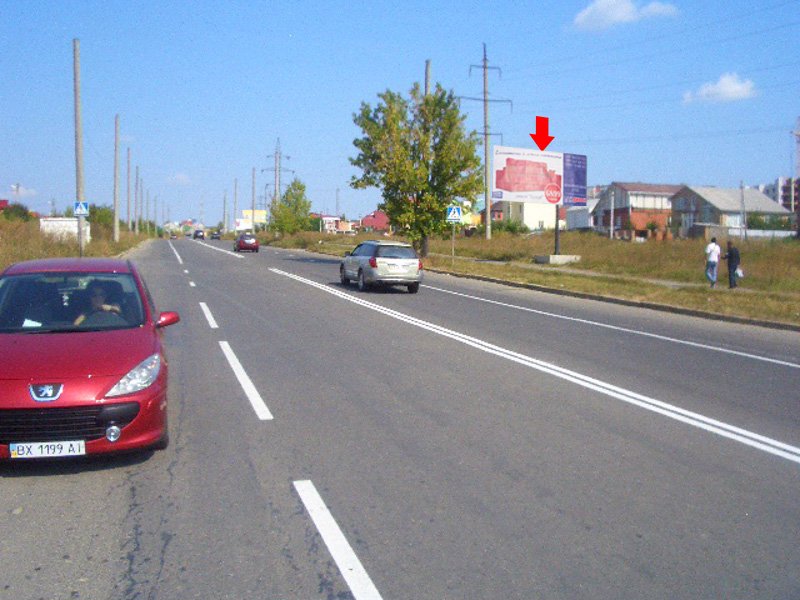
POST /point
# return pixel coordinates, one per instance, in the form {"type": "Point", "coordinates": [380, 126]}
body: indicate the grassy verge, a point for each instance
{"type": "Point", "coordinates": [20, 240]}
{"type": "Point", "coordinates": [669, 273]}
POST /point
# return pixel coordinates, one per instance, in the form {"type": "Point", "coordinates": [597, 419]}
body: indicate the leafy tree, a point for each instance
{"type": "Point", "coordinates": [17, 212]}
{"type": "Point", "coordinates": [292, 213]}
{"type": "Point", "coordinates": [419, 154]}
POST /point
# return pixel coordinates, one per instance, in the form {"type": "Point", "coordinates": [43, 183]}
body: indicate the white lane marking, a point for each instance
{"type": "Point", "coordinates": [743, 436]}
{"type": "Point", "coordinates": [247, 385]}
{"type": "Point", "coordinates": [192, 284]}
{"type": "Point", "coordinates": [178, 256]}
{"type": "Point", "coordinates": [207, 245]}
{"type": "Point", "coordinates": [623, 329]}
{"type": "Point", "coordinates": [186, 271]}
{"type": "Point", "coordinates": [350, 567]}
{"type": "Point", "coordinates": [209, 317]}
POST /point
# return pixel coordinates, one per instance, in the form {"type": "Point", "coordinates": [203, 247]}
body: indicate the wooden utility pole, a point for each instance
{"type": "Point", "coordinates": [76, 66]}
{"type": "Point", "coordinates": [116, 179]}
{"type": "Point", "coordinates": [427, 77]}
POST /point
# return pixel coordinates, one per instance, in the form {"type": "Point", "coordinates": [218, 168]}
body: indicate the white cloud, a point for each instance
{"type": "Point", "coordinates": [20, 191]}
{"type": "Point", "coordinates": [180, 179]}
{"type": "Point", "coordinates": [602, 14]}
{"type": "Point", "coordinates": [729, 88]}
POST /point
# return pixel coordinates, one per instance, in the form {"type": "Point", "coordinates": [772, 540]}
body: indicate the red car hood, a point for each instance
{"type": "Point", "coordinates": [29, 356]}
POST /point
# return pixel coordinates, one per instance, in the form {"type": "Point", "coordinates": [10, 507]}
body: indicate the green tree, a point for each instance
{"type": "Point", "coordinates": [292, 213]}
{"type": "Point", "coordinates": [17, 212]}
{"type": "Point", "coordinates": [419, 154]}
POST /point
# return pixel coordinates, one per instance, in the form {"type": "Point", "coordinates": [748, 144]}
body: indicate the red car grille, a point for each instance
{"type": "Point", "coordinates": [54, 424]}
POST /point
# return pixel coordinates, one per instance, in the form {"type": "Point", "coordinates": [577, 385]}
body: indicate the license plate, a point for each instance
{"type": "Point", "coordinates": [394, 268]}
{"type": "Point", "coordinates": [48, 449]}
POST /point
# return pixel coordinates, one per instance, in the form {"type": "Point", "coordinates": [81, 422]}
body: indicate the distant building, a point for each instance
{"type": "Point", "coordinates": [3, 205]}
{"type": "Point", "coordinates": [377, 221]}
{"type": "Point", "coordinates": [695, 209]}
{"type": "Point", "coordinates": [781, 192]}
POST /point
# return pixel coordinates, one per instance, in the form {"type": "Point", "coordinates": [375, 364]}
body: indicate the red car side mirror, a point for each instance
{"type": "Point", "coordinates": [167, 318]}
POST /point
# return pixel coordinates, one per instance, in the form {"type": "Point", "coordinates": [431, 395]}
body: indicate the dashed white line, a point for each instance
{"type": "Point", "coordinates": [178, 256]}
{"type": "Point", "coordinates": [209, 317]}
{"type": "Point", "coordinates": [247, 385]}
{"type": "Point", "coordinates": [732, 432]}
{"type": "Point", "coordinates": [357, 578]}
{"type": "Point", "coordinates": [192, 284]}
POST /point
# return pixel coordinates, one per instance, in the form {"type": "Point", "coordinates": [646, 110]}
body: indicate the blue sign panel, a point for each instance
{"type": "Point", "coordinates": [574, 180]}
{"type": "Point", "coordinates": [81, 209]}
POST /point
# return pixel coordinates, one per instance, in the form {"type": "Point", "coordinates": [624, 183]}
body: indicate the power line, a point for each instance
{"type": "Point", "coordinates": [679, 136]}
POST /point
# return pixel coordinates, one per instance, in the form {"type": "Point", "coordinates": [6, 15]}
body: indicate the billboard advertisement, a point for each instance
{"type": "Point", "coordinates": [261, 216]}
{"type": "Point", "coordinates": [538, 177]}
{"type": "Point", "coordinates": [574, 180]}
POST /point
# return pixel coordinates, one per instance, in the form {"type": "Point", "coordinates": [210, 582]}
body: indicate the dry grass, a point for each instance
{"type": "Point", "coordinates": [23, 241]}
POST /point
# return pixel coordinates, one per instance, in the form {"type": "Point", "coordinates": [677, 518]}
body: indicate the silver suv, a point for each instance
{"type": "Point", "coordinates": [382, 262]}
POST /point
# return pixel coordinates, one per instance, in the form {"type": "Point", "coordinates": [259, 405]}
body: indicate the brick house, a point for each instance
{"type": "Point", "coordinates": [634, 206]}
{"type": "Point", "coordinates": [375, 221]}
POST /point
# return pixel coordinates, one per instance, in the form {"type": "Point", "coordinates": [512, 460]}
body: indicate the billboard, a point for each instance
{"type": "Point", "coordinates": [261, 216]}
{"type": "Point", "coordinates": [538, 177]}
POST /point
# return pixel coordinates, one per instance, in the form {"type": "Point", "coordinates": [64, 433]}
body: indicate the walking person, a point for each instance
{"type": "Point", "coordinates": [712, 261]}
{"type": "Point", "coordinates": [733, 258]}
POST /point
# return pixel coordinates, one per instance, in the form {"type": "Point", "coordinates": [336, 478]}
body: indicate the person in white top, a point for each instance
{"type": "Point", "coordinates": [712, 261]}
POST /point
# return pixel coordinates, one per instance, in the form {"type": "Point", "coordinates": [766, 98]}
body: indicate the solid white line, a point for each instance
{"type": "Point", "coordinates": [209, 317]}
{"type": "Point", "coordinates": [357, 578]}
{"type": "Point", "coordinates": [743, 436]}
{"type": "Point", "coordinates": [623, 329]}
{"type": "Point", "coordinates": [247, 385]}
{"type": "Point", "coordinates": [178, 256]}
{"type": "Point", "coordinates": [192, 284]}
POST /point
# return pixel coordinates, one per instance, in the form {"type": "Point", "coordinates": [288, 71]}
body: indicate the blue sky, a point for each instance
{"type": "Point", "coordinates": [678, 91]}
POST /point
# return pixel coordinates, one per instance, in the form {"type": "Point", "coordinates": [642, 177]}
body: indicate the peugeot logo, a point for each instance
{"type": "Point", "coordinates": [46, 392]}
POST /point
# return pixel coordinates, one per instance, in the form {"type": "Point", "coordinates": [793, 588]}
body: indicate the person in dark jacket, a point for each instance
{"type": "Point", "coordinates": [733, 258]}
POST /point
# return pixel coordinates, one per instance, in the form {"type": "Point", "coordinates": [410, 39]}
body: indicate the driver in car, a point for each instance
{"type": "Point", "coordinates": [97, 297]}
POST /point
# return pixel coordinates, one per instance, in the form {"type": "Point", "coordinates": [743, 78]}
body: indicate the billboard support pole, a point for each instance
{"type": "Point", "coordinates": [558, 241]}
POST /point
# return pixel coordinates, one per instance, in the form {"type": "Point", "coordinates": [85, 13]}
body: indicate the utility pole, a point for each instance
{"type": "Point", "coordinates": [129, 189]}
{"type": "Point", "coordinates": [136, 204]}
{"type": "Point", "coordinates": [278, 156]}
{"type": "Point", "coordinates": [487, 196]}
{"type": "Point", "coordinates": [337, 202]}
{"type": "Point", "coordinates": [253, 202]}
{"type": "Point", "coordinates": [147, 214]}
{"type": "Point", "coordinates": [116, 179]}
{"type": "Point", "coordinates": [76, 67]}
{"type": "Point", "coordinates": [743, 216]}
{"type": "Point", "coordinates": [235, 193]}
{"type": "Point", "coordinates": [224, 210]}
{"type": "Point", "coordinates": [427, 76]}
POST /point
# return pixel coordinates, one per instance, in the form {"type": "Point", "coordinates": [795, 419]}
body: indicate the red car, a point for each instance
{"type": "Point", "coordinates": [246, 241]}
{"type": "Point", "coordinates": [82, 365]}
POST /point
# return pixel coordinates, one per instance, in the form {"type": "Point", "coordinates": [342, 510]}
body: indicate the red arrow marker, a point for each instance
{"type": "Point", "coordinates": [542, 136]}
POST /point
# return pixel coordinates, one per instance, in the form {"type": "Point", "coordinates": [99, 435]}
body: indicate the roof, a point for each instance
{"type": "Point", "coordinates": [70, 265]}
{"type": "Point", "coordinates": [649, 188]}
{"type": "Point", "coordinates": [386, 243]}
{"type": "Point", "coordinates": [730, 200]}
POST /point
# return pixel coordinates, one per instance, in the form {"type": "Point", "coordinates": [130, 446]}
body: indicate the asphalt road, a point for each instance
{"type": "Point", "coordinates": [469, 441]}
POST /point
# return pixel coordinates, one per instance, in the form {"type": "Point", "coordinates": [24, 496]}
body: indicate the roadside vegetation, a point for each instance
{"type": "Point", "coordinates": [659, 272]}
{"type": "Point", "coordinates": [21, 239]}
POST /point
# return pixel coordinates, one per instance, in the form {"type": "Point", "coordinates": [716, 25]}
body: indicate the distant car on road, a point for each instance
{"type": "Point", "coordinates": [215, 235]}
{"type": "Point", "coordinates": [173, 235]}
{"type": "Point", "coordinates": [83, 369]}
{"type": "Point", "coordinates": [199, 234]}
{"type": "Point", "coordinates": [379, 262]}
{"type": "Point", "coordinates": [246, 241]}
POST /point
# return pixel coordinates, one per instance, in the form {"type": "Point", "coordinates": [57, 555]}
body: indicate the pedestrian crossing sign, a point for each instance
{"type": "Point", "coordinates": [454, 214]}
{"type": "Point", "coordinates": [81, 209]}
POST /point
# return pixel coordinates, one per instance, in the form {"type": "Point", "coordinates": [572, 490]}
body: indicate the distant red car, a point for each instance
{"type": "Point", "coordinates": [83, 369]}
{"type": "Point", "coordinates": [246, 241]}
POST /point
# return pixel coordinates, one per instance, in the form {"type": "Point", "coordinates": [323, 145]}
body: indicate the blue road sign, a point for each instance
{"type": "Point", "coordinates": [81, 209]}
{"type": "Point", "coordinates": [454, 214]}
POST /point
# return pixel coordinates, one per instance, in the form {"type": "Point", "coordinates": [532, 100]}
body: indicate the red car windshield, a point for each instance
{"type": "Point", "coordinates": [60, 302]}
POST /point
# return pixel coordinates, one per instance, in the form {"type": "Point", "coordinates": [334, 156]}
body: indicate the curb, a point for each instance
{"type": "Point", "coordinates": [651, 305]}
